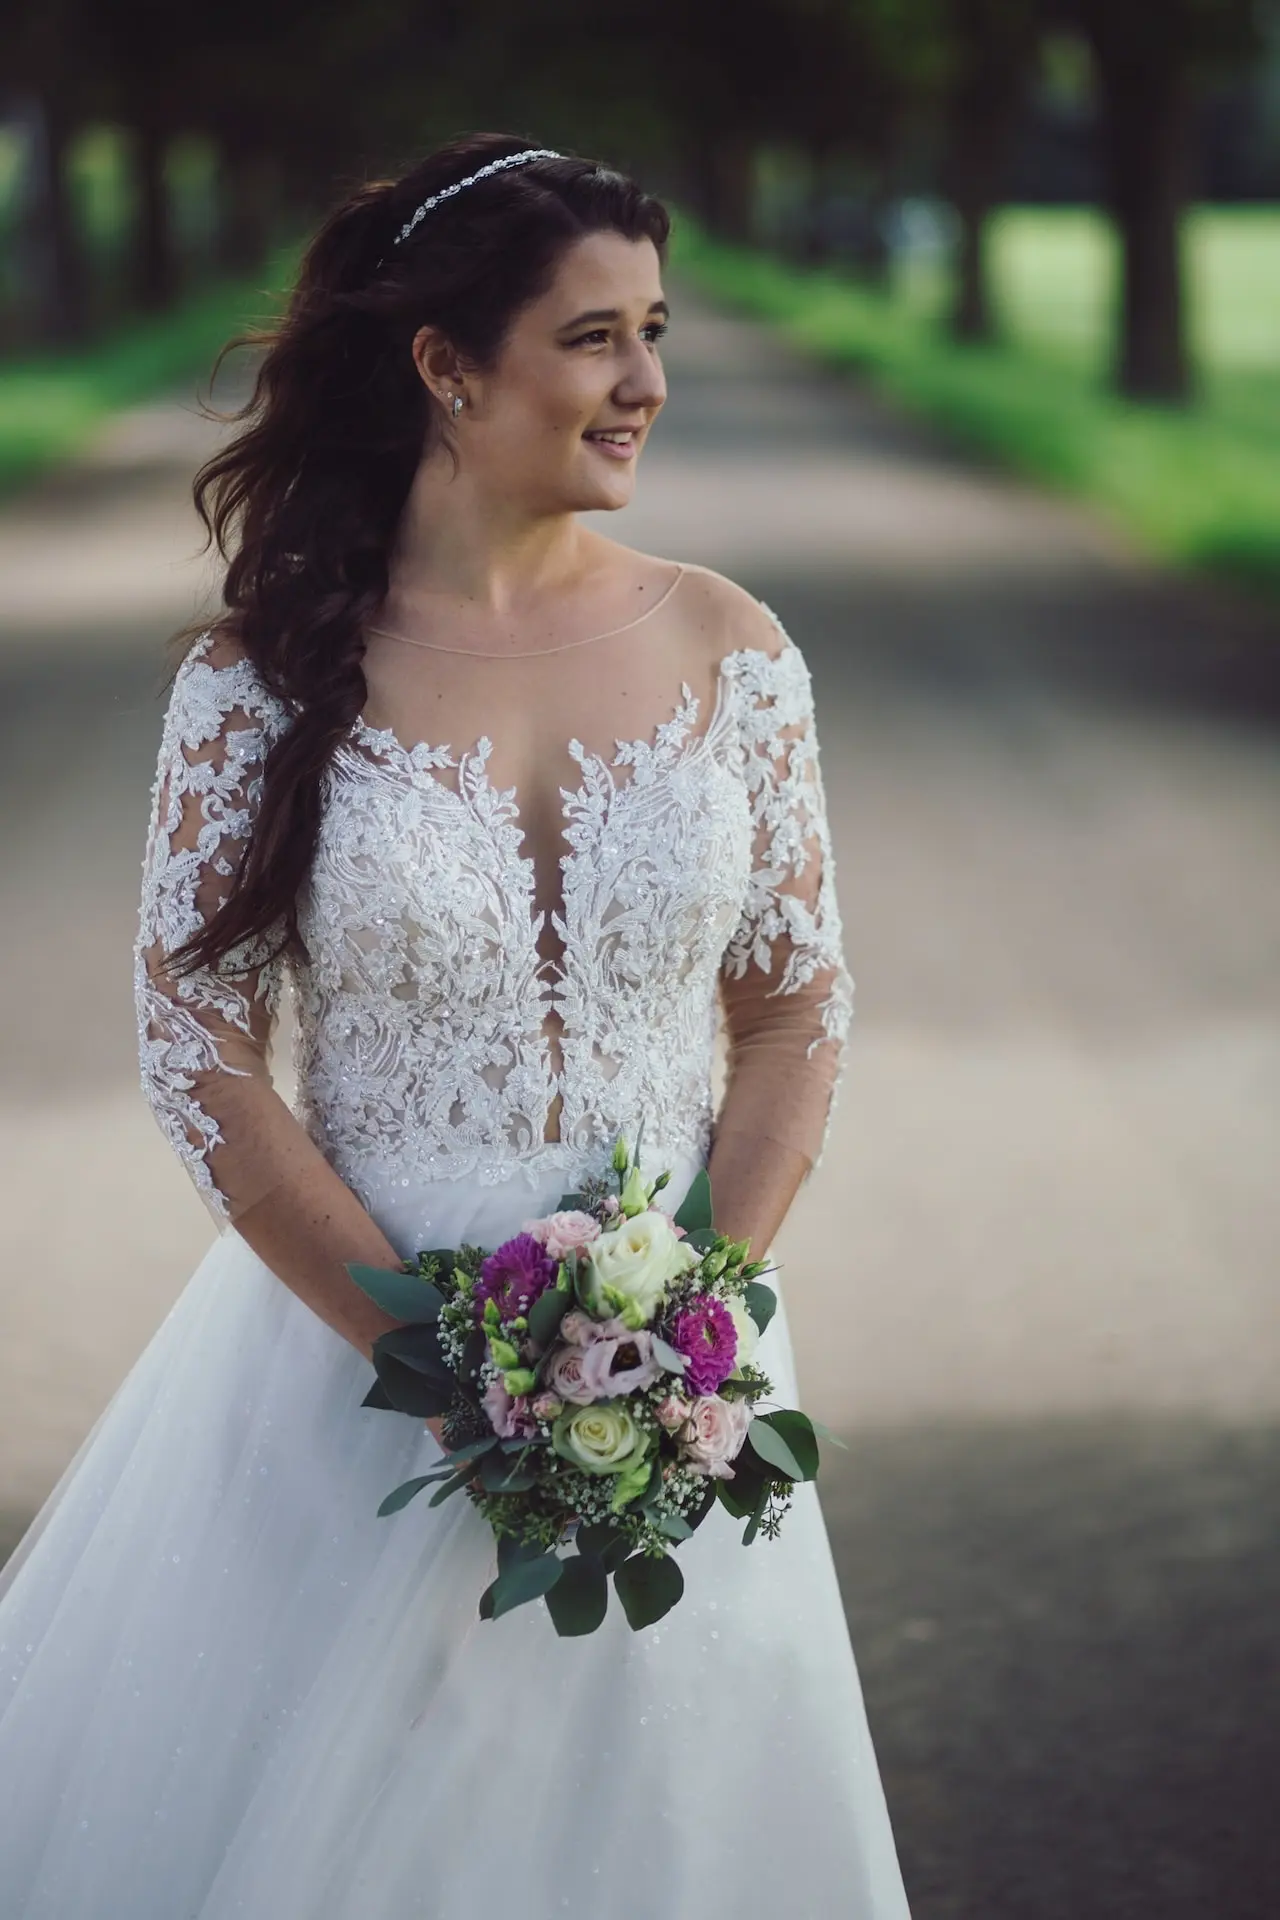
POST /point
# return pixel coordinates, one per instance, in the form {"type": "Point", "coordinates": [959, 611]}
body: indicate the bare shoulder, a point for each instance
{"type": "Point", "coordinates": [727, 617]}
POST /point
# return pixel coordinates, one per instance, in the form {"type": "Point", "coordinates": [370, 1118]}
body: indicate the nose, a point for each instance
{"type": "Point", "coordinates": [643, 383]}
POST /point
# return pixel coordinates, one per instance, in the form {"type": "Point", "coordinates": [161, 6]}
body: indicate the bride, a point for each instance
{"type": "Point", "coordinates": [514, 812]}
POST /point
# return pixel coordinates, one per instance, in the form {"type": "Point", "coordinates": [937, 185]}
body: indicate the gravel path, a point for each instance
{"type": "Point", "coordinates": [1050, 1334]}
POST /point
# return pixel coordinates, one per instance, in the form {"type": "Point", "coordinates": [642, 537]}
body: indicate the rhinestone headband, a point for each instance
{"type": "Point", "coordinates": [494, 166]}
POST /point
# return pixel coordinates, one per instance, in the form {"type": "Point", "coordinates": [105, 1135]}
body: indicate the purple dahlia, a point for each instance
{"type": "Point", "coordinates": [513, 1276]}
{"type": "Point", "coordinates": [704, 1332]}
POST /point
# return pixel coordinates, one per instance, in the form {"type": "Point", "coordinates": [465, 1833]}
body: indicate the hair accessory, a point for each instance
{"type": "Point", "coordinates": [494, 166]}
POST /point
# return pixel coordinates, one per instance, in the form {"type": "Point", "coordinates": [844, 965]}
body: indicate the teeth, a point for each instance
{"type": "Point", "coordinates": [620, 439]}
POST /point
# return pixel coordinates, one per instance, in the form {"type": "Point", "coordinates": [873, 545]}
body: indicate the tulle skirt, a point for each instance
{"type": "Point", "coordinates": [228, 1688]}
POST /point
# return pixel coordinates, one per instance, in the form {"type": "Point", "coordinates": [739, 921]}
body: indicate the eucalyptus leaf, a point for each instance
{"type": "Point", "coordinates": [769, 1444]}
{"type": "Point", "coordinates": [702, 1239]}
{"type": "Point", "coordinates": [473, 1449]}
{"type": "Point", "coordinates": [511, 1550]}
{"type": "Point", "coordinates": [410, 1391]}
{"type": "Point", "coordinates": [760, 1302]}
{"type": "Point", "coordinates": [579, 1599]}
{"type": "Point", "coordinates": [605, 1543]}
{"type": "Point", "coordinates": [498, 1475]}
{"type": "Point", "coordinates": [753, 1524]}
{"type": "Point", "coordinates": [797, 1431]}
{"type": "Point", "coordinates": [377, 1397]}
{"type": "Point", "coordinates": [474, 1348]}
{"type": "Point", "coordinates": [418, 1347]}
{"type": "Point", "coordinates": [648, 1586]}
{"type": "Point", "coordinates": [407, 1296]}
{"type": "Point", "coordinates": [453, 1485]}
{"type": "Point", "coordinates": [405, 1492]}
{"type": "Point", "coordinates": [825, 1433]}
{"type": "Point", "coordinates": [546, 1313]}
{"type": "Point", "coordinates": [525, 1580]}
{"type": "Point", "coordinates": [695, 1209]}
{"type": "Point", "coordinates": [675, 1526]}
{"type": "Point", "coordinates": [667, 1356]}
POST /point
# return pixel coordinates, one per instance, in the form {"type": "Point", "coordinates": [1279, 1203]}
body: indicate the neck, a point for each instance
{"type": "Point", "coordinates": [488, 556]}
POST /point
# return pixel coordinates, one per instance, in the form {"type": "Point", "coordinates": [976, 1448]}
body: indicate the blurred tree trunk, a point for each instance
{"type": "Point", "coordinates": [993, 45]}
{"type": "Point", "coordinates": [246, 204]}
{"type": "Point", "coordinates": [155, 267]}
{"type": "Point", "coordinates": [54, 242]}
{"type": "Point", "coordinates": [1147, 131]}
{"type": "Point", "coordinates": [722, 167]}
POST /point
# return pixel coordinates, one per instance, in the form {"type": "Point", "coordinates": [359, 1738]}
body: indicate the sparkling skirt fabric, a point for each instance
{"type": "Point", "coordinates": [227, 1688]}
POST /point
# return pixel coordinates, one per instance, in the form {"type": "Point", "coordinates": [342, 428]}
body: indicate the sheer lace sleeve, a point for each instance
{"type": "Point", "coordinates": [786, 991]}
{"type": "Point", "coordinates": [205, 1037]}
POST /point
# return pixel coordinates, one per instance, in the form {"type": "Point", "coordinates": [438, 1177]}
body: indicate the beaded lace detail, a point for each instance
{"type": "Point", "coordinates": [695, 860]}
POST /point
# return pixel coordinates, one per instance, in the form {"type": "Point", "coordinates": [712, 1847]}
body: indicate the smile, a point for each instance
{"type": "Point", "coordinates": [618, 443]}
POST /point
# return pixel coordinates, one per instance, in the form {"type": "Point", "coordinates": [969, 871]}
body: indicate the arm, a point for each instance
{"type": "Point", "coordinates": [785, 989]}
{"type": "Point", "coordinates": [205, 1037]}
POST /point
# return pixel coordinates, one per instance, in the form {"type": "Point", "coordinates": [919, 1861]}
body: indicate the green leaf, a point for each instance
{"type": "Point", "coordinates": [546, 1313]}
{"type": "Point", "coordinates": [485, 1608]}
{"type": "Point", "coordinates": [667, 1356]}
{"type": "Point", "coordinates": [757, 1514]}
{"type": "Point", "coordinates": [579, 1599]}
{"type": "Point", "coordinates": [674, 1525]}
{"type": "Point", "coordinates": [525, 1580]}
{"type": "Point", "coordinates": [473, 1449]}
{"type": "Point", "coordinates": [706, 1501]}
{"type": "Point", "coordinates": [769, 1444]}
{"type": "Point", "coordinates": [377, 1397]}
{"type": "Point", "coordinates": [760, 1302]}
{"type": "Point", "coordinates": [826, 1434]}
{"type": "Point", "coordinates": [418, 1347]}
{"type": "Point", "coordinates": [797, 1431]}
{"type": "Point", "coordinates": [695, 1209]}
{"type": "Point", "coordinates": [739, 1495]}
{"type": "Point", "coordinates": [454, 1484]}
{"type": "Point", "coordinates": [474, 1348]}
{"type": "Point", "coordinates": [410, 1391]}
{"type": "Point", "coordinates": [405, 1492]}
{"type": "Point", "coordinates": [498, 1475]}
{"type": "Point", "coordinates": [648, 1586]}
{"type": "Point", "coordinates": [405, 1295]}
{"type": "Point", "coordinates": [605, 1543]}
{"type": "Point", "coordinates": [511, 1550]}
{"type": "Point", "coordinates": [570, 1203]}
{"type": "Point", "coordinates": [702, 1239]}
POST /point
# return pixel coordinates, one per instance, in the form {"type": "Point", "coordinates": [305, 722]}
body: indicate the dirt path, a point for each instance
{"type": "Point", "coordinates": [1050, 1328]}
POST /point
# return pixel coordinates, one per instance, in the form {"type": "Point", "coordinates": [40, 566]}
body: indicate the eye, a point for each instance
{"type": "Point", "coordinates": [655, 329]}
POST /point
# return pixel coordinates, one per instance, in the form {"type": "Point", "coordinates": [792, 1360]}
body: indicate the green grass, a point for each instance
{"type": "Point", "coordinates": [1197, 485]}
{"type": "Point", "coordinates": [50, 403]}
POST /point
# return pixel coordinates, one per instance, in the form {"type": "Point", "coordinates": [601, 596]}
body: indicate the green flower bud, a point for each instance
{"type": "Point", "coordinates": [714, 1264]}
{"type": "Point", "coordinates": [490, 1315]}
{"type": "Point", "coordinates": [631, 1483]}
{"type": "Point", "coordinates": [564, 1279]}
{"type": "Point", "coordinates": [738, 1252]}
{"type": "Point", "coordinates": [520, 1323]}
{"type": "Point", "coordinates": [503, 1354]}
{"type": "Point", "coordinates": [620, 1155]}
{"type": "Point", "coordinates": [519, 1380]}
{"type": "Point", "coordinates": [662, 1180]}
{"type": "Point", "coordinates": [634, 1197]}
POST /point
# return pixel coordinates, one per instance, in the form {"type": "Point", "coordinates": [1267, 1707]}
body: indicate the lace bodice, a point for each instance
{"type": "Point", "coordinates": [435, 1035]}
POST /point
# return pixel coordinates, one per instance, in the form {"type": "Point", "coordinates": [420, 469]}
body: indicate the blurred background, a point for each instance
{"type": "Point", "coordinates": [975, 377]}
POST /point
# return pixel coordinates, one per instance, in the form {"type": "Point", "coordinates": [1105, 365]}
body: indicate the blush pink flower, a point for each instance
{"type": "Point", "coordinates": [618, 1361]}
{"type": "Point", "coordinates": [510, 1418]}
{"type": "Point", "coordinates": [566, 1375]}
{"type": "Point", "coordinates": [563, 1233]}
{"type": "Point", "coordinates": [713, 1435]}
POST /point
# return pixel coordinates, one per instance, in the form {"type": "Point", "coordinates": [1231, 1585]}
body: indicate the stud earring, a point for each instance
{"type": "Point", "coordinates": [456, 399]}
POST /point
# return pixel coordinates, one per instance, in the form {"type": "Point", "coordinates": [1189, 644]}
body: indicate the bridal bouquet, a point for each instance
{"type": "Point", "coordinates": [598, 1394]}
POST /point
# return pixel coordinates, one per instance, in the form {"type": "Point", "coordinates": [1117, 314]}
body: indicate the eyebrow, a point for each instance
{"type": "Point", "coordinates": [612, 313]}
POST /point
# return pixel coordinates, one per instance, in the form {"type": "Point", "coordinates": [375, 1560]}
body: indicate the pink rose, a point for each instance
{"type": "Point", "coordinates": [672, 1412]}
{"type": "Point", "coordinates": [611, 1203]}
{"type": "Point", "coordinates": [563, 1233]}
{"type": "Point", "coordinates": [578, 1328]}
{"type": "Point", "coordinates": [566, 1375]}
{"type": "Point", "coordinates": [546, 1407]}
{"type": "Point", "coordinates": [510, 1419]}
{"type": "Point", "coordinates": [618, 1361]}
{"type": "Point", "coordinates": [714, 1433]}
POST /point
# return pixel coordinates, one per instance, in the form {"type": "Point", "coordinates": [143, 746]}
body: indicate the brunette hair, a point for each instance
{"type": "Point", "coordinates": [304, 500]}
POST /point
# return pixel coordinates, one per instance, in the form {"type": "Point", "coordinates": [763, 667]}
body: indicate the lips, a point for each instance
{"type": "Point", "coordinates": [618, 442]}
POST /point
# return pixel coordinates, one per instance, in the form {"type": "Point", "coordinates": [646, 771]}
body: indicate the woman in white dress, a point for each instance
{"type": "Point", "coordinates": [515, 813]}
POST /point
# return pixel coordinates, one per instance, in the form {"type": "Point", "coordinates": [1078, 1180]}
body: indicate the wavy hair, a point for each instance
{"type": "Point", "coordinates": [304, 501]}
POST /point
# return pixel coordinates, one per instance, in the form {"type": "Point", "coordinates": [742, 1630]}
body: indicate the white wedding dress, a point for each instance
{"type": "Point", "coordinates": [226, 1686]}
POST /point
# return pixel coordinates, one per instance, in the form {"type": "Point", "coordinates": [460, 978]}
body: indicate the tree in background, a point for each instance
{"type": "Point", "coordinates": [1151, 62]}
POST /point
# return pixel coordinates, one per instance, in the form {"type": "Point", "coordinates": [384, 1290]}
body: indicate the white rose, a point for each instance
{"type": "Point", "coordinates": [746, 1329]}
{"type": "Point", "coordinates": [714, 1433]}
{"type": "Point", "coordinates": [601, 1439]}
{"type": "Point", "coordinates": [635, 1263]}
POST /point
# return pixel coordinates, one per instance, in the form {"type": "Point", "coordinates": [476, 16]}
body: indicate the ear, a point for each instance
{"type": "Point", "coordinates": [436, 360]}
